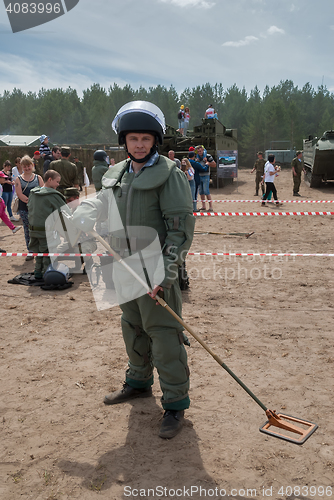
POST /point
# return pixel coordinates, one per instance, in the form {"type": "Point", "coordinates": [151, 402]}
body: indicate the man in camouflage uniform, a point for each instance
{"type": "Point", "coordinates": [297, 166]}
{"type": "Point", "coordinates": [151, 193]}
{"type": "Point", "coordinates": [66, 169]}
{"type": "Point", "coordinates": [259, 167]}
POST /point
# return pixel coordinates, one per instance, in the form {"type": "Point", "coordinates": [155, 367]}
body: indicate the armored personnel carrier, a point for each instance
{"type": "Point", "coordinates": [211, 134]}
{"type": "Point", "coordinates": [319, 158]}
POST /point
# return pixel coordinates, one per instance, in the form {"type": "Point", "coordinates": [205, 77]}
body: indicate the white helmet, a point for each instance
{"type": "Point", "coordinates": [139, 116]}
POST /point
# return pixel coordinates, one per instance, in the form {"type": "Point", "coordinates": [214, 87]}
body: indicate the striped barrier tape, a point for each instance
{"type": "Point", "coordinates": [262, 214]}
{"type": "Point", "coordinates": [244, 254]}
{"type": "Point", "coordinates": [228, 254]}
{"type": "Point", "coordinates": [280, 201]}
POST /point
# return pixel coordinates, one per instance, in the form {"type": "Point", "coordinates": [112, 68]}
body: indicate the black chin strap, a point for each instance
{"type": "Point", "coordinates": [153, 150]}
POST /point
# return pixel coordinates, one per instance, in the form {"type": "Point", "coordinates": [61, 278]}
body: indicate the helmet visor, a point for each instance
{"type": "Point", "coordinates": [143, 107]}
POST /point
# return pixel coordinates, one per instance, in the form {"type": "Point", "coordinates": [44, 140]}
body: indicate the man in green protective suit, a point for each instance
{"type": "Point", "coordinates": [43, 201]}
{"type": "Point", "coordinates": [100, 168]}
{"type": "Point", "coordinates": [149, 191]}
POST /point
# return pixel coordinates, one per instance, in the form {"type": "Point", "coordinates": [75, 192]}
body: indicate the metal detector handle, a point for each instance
{"type": "Point", "coordinates": [164, 304]}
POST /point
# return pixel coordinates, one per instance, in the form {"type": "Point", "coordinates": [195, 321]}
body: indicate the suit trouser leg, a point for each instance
{"type": "Point", "coordinates": [153, 338]}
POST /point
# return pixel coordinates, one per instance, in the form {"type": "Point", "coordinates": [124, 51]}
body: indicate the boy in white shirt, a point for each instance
{"type": "Point", "coordinates": [269, 177]}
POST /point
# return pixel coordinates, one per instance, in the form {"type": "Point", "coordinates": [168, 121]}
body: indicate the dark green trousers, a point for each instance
{"type": "Point", "coordinates": [153, 338]}
{"type": "Point", "coordinates": [296, 182]}
{"type": "Point", "coordinates": [39, 245]}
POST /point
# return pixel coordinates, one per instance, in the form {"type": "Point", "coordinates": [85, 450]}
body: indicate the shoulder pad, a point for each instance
{"type": "Point", "coordinates": [114, 174]}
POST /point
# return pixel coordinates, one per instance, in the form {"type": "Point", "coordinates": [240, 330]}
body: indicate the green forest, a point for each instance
{"type": "Point", "coordinates": [282, 113]}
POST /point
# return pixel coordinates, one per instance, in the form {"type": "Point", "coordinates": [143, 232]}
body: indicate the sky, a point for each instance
{"type": "Point", "coordinates": [183, 43]}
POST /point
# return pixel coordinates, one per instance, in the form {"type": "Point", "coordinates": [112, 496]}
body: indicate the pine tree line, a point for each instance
{"type": "Point", "coordinates": [283, 112]}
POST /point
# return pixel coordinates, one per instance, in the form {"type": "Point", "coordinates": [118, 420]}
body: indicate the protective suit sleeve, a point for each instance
{"type": "Point", "coordinates": [176, 207]}
{"type": "Point", "coordinates": [90, 211]}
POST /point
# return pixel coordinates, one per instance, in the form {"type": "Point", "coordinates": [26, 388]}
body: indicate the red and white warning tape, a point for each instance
{"type": "Point", "coordinates": [236, 254]}
{"type": "Point", "coordinates": [249, 214]}
{"type": "Point", "coordinates": [281, 201]}
{"type": "Point", "coordinates": [244, 254]}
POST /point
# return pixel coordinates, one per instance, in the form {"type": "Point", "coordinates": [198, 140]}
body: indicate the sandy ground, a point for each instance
{"type": "Point", "coordinates": [269, 319]}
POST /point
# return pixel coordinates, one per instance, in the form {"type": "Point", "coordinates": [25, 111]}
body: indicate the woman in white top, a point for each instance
{"type": "Point", "coordinates": [190, 173]}
{"type": "Point", "coordinates": [269, 177]}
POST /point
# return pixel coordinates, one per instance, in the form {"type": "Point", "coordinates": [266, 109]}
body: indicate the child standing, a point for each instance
{"type": "Point", "coordinates": [44, 149]}
{"type": "Point", "coordinates": [42, 202]}
{"type": "Point", "coordinates": [7, 187]}
{"type": "Point", "coordinates": [3, 215]}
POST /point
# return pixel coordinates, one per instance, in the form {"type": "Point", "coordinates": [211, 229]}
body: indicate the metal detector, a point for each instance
{"type": "Point", "coordinates": [278, 424]}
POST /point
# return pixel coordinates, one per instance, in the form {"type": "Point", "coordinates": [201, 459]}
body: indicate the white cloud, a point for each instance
{"type": "Point", "coordinates": [191, 3]}
{"type": "Point", "coordinates": [241, 43]}
{"type": "Point", "coordinates": [273, 29]}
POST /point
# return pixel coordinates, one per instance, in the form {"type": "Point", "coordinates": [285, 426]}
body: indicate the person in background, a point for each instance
{"type": "Point", "coordinates": [270, 171]}
{"type": "Point", "coordinates": [190, 173]}
{"type": "Point", "coordinates": [259, 168]}
{"type": "Point", "coordinates": [66, 169]}
{"type": "Point", "coordinates": [209, 113]}
{"type": "Point", "coordinates": [112, 162]}
{"type": "Point", "coordinates": [99, 169]}
{"type": "Point", "coordinates": [37, 163]}
{"type": "Point", "coordinates": [180, 118]}
{"type": "Point", "coordinates": [171, 156]}
{"type": "Point", "coordinates": [23, 185]}
{"type": "Point", "coordinates": [297, 166]}
{"type": "Point", "coordinates": [16, 171]}
{"type": "Point", "coordinates": [206, 161]}
{"type": "Point", "coordinates": [198, 169]}
{"type": "Point", "coordinates": [80, 169]}
{"type": "Point", "coordinates": [56, 155]}
{"type": "Point", "coordinates": [7, 189]}
{"type": "Point", "coordinates": [186, 120]}
{"type": "Point", "coordinates": [3, 215]}
{"type": "Point", "coordinates": [44, 149]}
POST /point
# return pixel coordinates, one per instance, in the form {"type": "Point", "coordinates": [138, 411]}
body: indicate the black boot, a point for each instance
{"type": "Point", "coordinates": [172, 423]}
{"type": "Point", "coordinates": [126, 394]}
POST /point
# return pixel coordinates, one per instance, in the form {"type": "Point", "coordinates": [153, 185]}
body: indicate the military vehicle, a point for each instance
{"type": "Point", "coordinates": [211, 134]}
{"type": "Point", "coordinates": [319, 158]}
{"type": "Point", "coordinates": [283, 156]}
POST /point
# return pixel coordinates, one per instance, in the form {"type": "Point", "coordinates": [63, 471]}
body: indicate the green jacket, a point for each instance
{"type": "Point", "coordinates": [157, 197]}
{"type": "Point", "coordinates": [42, 202]}
{"type": "Point", "coordinates": [298, 165]}
{"type": "Point", "coordinates": [68, 172]}
{"type": "Point", "coordinates": [259, 165]}
{"type": "Point", "coordinates": [98, 171]}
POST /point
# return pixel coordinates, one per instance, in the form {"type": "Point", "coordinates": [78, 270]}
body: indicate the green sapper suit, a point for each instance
{"type": "Point", "coordinates": [42, 202]}
{"type": "Point", "coordinates": [158, 197]}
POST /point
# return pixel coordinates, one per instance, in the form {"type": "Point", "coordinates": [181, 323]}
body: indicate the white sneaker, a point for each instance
{"type": "Point", "coordinates": [16, 229]}
{"type": "Point", "coordinates": [13, 218]}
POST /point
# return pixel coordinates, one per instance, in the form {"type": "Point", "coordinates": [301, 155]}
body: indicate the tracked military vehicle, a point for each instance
{"type": "Point", "coordinates": [212, 134]}
{"type": "Point", "coordinates": [319, 158]}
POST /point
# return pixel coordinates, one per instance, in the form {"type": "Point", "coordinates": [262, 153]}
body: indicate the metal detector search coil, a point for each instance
{"type": "Point", "coordinates": [279, 422]}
